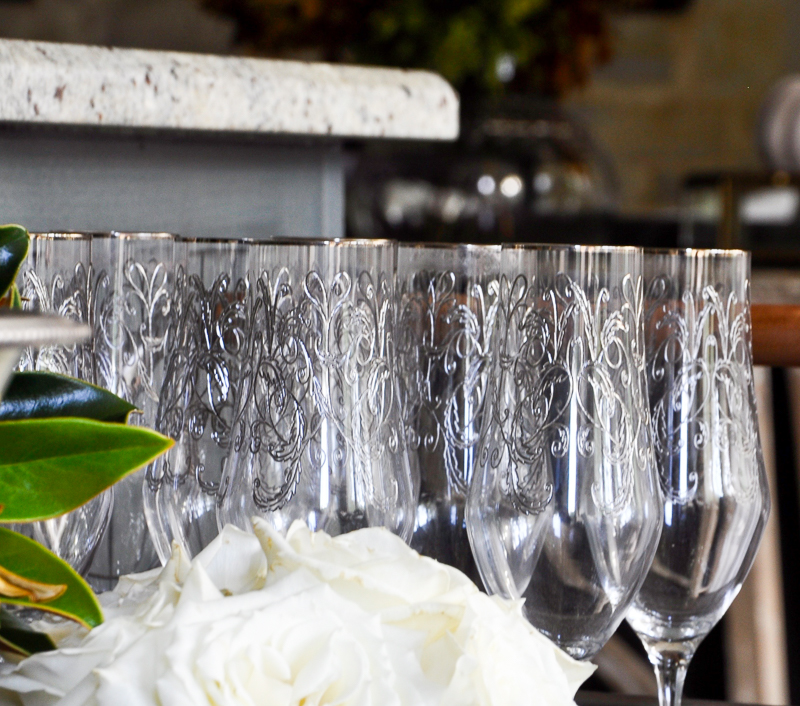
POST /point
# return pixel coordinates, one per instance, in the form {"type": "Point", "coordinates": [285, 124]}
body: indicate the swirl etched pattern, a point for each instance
{"type": "Point", "coordinates": [701, 389]}
{"type": "Point", "coordinates": [318, 358]}
{"type": "Point", "coordinates": [68, 295]}
{"type": "Point", "coordinates": [570, 382]}
{"type": "Point", "coordinates": [276, 383]}
{"type": "Point", "coordinates": [202, 377]}
{"type": "Point", "coordinates": [444, 361]}
{"type": "Point", "coordinates": [132, 321]}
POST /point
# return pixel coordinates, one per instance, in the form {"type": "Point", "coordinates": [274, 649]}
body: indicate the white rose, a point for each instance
{"type": "Point", "coordinates": [356, 620]}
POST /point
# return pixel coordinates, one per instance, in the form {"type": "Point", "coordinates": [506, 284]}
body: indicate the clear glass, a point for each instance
{"type": "Point", "coordinates": [133, 290]}
{"type": "Point", "coordinates": [203, 378]}
{"type": "Point", "coordinates": [318, 434]}
{"type": "Point", "coordinates": [447, 296]}
{"type": "Point", "coordinates": [56, 278]}
{"type": "Point", "coordinates": [563, 508]}
{"type": "Point", "coordinates": [705, 429]}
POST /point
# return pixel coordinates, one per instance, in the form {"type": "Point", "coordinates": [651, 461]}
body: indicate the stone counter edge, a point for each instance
{"type": "Point", "coordinates": [70, 84]}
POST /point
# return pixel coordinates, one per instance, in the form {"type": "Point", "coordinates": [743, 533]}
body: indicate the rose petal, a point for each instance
{"type": "Point", "coordinates": [356, 620]}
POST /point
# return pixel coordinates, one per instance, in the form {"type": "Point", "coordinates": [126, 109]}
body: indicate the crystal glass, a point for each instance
{"type": "Point", "coordinates": [133, 290]}
{"type": "Point", "coordinates": [56, 279]}
{"type": "Point", "coordinates": [563, 508]}
{"type": "Point", "coordinates": [710, 467]}
{"type": "Point", "coordinates": [201, 382]}
{"type": "Point", "coordinates": [318, 434]}
{"type": "Point", "coordinates": [25, 328]}
{"type": "Point", "coordinates": [447, 296]}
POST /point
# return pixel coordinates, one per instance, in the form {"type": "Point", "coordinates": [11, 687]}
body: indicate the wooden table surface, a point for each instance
{"type": "Point", "coordinates": [776, 334]}
{"type": "Point", "coordinates": [595, 698]}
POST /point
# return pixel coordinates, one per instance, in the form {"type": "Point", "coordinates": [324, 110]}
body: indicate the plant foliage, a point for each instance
{"type": "Point", "coordinates": [14, 243]}
{"type": "Point", "coordinates": [66, 593]}
{"type": "Point", "coordinates": [16, 636]}
{"type": "Point", "coordinates": [43, 395]}
{"type": "Point", "coordinates": [62, 442]}
{"type": "Point", "coordinates": [51, 466]}
{"type": "Point", "coordinates": [551, 44]}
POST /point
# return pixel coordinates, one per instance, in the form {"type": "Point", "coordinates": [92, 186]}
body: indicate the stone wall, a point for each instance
{"type": "Point", "coordinates": [146, 24]}
{"type": "Point", "coordinates": [684, 90]}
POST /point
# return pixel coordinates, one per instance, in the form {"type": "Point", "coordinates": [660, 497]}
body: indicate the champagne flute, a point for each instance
{"type": "Point", "coordinates": [563, 508]}
{"type": "Point", "coordinates": [447, 295]}
{"type": "Point", "coordinates": [317, 435]}
{"type": "Point", "coordinates": [204, 370]}
{"type": "Point", "coordinates": [711, 470]}
{"type": "Point", "coordinates": [56, 279]}
{"type": "Point", "coordinates": [133, 296]}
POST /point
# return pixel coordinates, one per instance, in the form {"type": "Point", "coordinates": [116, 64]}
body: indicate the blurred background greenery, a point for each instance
{"type": "Point", "coordinates": [543, 47]}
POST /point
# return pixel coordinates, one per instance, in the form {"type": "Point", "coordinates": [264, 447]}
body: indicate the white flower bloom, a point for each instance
{"type": "Point", "coordinates": [356, 620]}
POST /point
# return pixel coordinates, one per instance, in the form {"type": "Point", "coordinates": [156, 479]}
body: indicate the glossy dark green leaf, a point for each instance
{"type": "Point", "coordinates": [30, 559]}
{"type": "Point", "coordinates": [44, 395]}
{"type": "Point", "coordinates": [13, 249]}
{"type": "Point", "coordinates": [16, 635]}
{"type": "Point", "coordinates": [51, 466]}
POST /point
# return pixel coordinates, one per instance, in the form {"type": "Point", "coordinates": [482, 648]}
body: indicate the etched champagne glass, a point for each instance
{"type": "Point", "coordinates": [56, 279]}
{"type": "Point", "coordinates": [705, 428]}
{"type": "Point", "coordinates": [201, 382]}
{"type": "Point", "coordinates": [563, 508]}
{"type": "Point", "coordinates": [133, 291]}
{"type": "Point", "coordinates": [447, 295]}
{"type": "Point", "coordinates": [317, 435]}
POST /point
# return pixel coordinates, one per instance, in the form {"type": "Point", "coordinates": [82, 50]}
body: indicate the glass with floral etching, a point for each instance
{"type": "Point", "coordinates": [56, 279]}
{"type": "Point", "coordinates": [317, 435]}
{"type": "Point", "coordinates": [715, 499]}
{"type": "Point", "coordinates": [132, 282]}
{"type": "Point", "coordinates": [446, 305]}
{"type": "Point", "coordinates": [203, 377]}
{"type": "Point", "coordinates": [564, 507]}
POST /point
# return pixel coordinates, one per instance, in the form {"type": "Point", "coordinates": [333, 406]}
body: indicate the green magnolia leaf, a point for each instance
{"type": "Point", "coordinates": [22, 556]}
{"type": "Point", "coordinates": [11, 299]}
{"type": "Point", "coordinates": [51, 466]}
{"type": "Point", "coordinates": [16, 298]}
{"type": "Point", "coordinates": [13, 249]}
{"type": "Point", "coordinates": [16, 635]}
{"type": "Point", "coordinates": [43, 395]}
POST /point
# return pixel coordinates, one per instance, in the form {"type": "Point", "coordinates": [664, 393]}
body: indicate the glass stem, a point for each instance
{"type": "Point", "coordinates": [670, 667]}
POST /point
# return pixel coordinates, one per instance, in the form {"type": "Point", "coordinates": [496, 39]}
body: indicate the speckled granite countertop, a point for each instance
{"type": "Point", "coordinates": [71, 84]}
